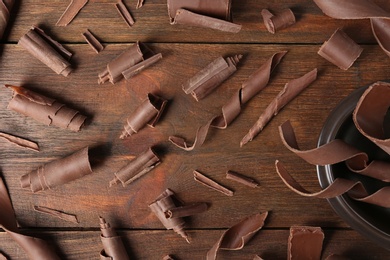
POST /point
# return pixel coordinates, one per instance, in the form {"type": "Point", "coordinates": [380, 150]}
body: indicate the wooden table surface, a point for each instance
{"type": "Point", "coordinates": [185, 51]}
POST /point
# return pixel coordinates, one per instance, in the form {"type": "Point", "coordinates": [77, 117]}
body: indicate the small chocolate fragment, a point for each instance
{"type": "Point", "coordinates": [5, 10]}
{"type": "Point", "coordinates": [113, 248]}
{"type": "Point", "coordinates": [92, 41]}
{"type": "Point", "coordinates": [71, 11]}
{"type": "Point", "coordinates": [278, 22]}
{"type": "Point", "coordinates": [140, 3]}
{"type": "Point", "coordinates": [164, 202]}
{"type": "Point", "coordinates": [186, 210]}
{"type": "Point", "coordinates": [137, 68]}
{"type": "Point", "coordinates": [135, 169]}
{"type": "Point", "coordinates": [2, 257]}
{"type": "Point", "coordinates": [340, 50]}
{"type": "Point", "coordinates": [230, 175]}
{"type": "Point", "coordinates": [57, 213]}
{"type": "Point", "coordinates": [124, 13]}
{"type": "Point", "coordinates": [48, 51]}
{"type": "Point", "coordinates": [45, 110]}
{"type": "Point", "coordinates": [168, 257]}
{"type": "Point", "coordinates": [20, 141]}
{"type": "Point", "coordinates": [206, 181]}
{"type": "Point", "coordinates": [58, 172]}
{"type": "Point", "coordinates": [305, 243]}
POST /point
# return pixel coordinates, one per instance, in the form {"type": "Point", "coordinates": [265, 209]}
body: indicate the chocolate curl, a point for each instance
{"type": "Point", "coordinates": [134, 70]}
{"type": "Point", "coordinates": [45, 110]}
{"type": "Point", "coordinates": [5, 9]}
{"type": "Point", "coordinates": [278, 22]}
{"type": "Point", "coordinates": [113, 248]}
{"type": "Point", "coordinates": [124, 13]}
{"type": "Point", "coordinates": [2, 257]}
{"type": "Point", "coordinates": [206, 181]}
{"type": "Point", "coordinates": [163, 203]}
{"type": "Point", "coordinates": [305, 242]}
{"type": "Point", "coordinates": [339, 186]}
{"type": "Point", "coordinates": [140, 3]}
{"type": "Point", "coordinates": [230, 175]}
{"type": "Point", "coordinates": [361, 9]}
{"type": "Point", "coordinates": [56, 213]}
{"type": "Point", "coordinates": [238, 235]}
{"type": "Point", "coordinates": [48, 51]}
{"type": "Point", "coordinates": [92, 41]}
{"type": "Point", "coordinates": [20, 141]}
{"type": "Point", "coordinates": [187, 210]}
{"type": "Point", "coordinates": [71, 11]}
{"type": "Point", "coordinates": [168, 257]}
{"type": "Point", "coordinates": [34, 247]}
{"type": "Point", "coordinates": [138, 167]}
{"type": "Point", "coordinates": [340, 50]}
{"type": "Point", "coordinates": [58, 172]}
{"type": "Point", "coordinates": [289, 92]}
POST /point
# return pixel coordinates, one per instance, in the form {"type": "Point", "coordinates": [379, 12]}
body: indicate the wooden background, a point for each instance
{"type": "Point", "coordinates": [185, 51]}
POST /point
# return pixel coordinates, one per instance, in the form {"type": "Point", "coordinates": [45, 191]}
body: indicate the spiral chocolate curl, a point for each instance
{"type": "Point", "coordinates": [5, 8]}
{"type": "Point", "coordinates": [278, 22]}
{"type": "Point", "coordinates": [113, 248]}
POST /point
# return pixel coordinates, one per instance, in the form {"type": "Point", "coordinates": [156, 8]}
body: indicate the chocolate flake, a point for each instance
{"type": "Point", "coordinates": [124, 13]}
{"type": "Point", "coordinates": [47, 50]}
{"type": "Point", "coordinates": [20, 141]}
{"type": "Point", "coordinates": [186, 210]}
{"type": "Point", "coordinates": [58, 172]}
{"type": "Point", "coordinates": [289, 92]}
{"type": "Point", "coordinates": [92, 41]}
{"type": "Point", "coordinates": [206, 181]}
{"type": "Point", "coordinates": [56, 213]}
{"type": "Point", "coordinates": [136, 168]}
{"type": "Point", "coordinates": [137, 68]}
{"type": "Point", "coordinates": [113, 248]}
{"type": "Point", "coordinates": [278, 22]}
{"type": "Point", "coordinates": [305, 242]}
{"type": "Point", "coordinates": [230, 175]}
{"type": "Point", "coordinates": [45, 110]}
{"type": "Point", "coordinates": [71, 11]}
{"type": "Point", "coordinates": [140, 3]}
{"type": "Point", "coordinates": [5, 10]}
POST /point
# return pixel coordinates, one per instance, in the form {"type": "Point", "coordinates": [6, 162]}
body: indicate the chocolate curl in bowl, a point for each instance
{"type": "Point", "coordinates": [34, 247]}
{"type": "Point", "coordinates": [5, 10]}
{"type": "Point", "coordinates": [278, 22]}
{"type": "Point", "coordinates": [47, 50]}
{"type": "Point", "coordinates": [58, 172]}
{"type": "Point", "coordinates": [113, 248]}
{"type": "Point", "coordinates": [238, 235]}
{"type": "Point", "coordinates": [44, 109]}
{"type": "Point", "coordinates": [149, 112]}
{"type": "Point", "coordinates": [305, 242]}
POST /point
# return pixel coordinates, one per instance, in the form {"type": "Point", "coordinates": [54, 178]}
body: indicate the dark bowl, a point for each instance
{"type": "Point", "coordinates": [371, 221]}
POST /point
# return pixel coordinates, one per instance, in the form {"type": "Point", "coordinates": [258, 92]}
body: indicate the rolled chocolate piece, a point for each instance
{"type": "Point", "coordinates": [230, 175]}
{"type": "Point", "coordinates": [5, 10]}
{"type": "Point", "coordinates": [58, 172]}
{"type": "Point", "coordinates": [113, 248]}
{"type": "Point", "coordinates": [305, 243]}
{"type": "Point", "coordinates": [47, 50]}
{"type": "Point", "coordinates": [186, 210]}
{"type": "Point", "coordinates": [20, 141]}
{"type": "Point", "coordinates": [278, 22]}
{"type": "Point", "coordinates": [206, 181]}
{"type": "Point", "coordinates": [71, 11]}
{"type": "Point", "coordinates": [138, 167]}
{"type": "Point", "coordinates": [45, 110]}
{"type": "Point", "coordinates": [93, 41]}
{"type": "Point", "coordinates": [124, 13]}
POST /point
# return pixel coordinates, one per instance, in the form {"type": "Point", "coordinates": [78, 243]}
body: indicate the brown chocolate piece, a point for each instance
{"type": "Point", "coordinates": [58, 172]}
{"type": "Point", "coordinates": [230, 175]}
{"type": "Point", "coordinates": [289, 92]}
{"type": "Point", "coordinates": [140, 3]}
{"type": "Point", "coordinates": [92, 41]}
{"type": "Point", "coordinates": [186, 210]}
{"type": "Point", "coordinates": [164, 202]}
{"type": "Point", "coordinates": [56, 213]}
{"type": "Point", "coordinates": [124, 13]}
{"type": "Point", "coordinates": [206, 181]}
{"type": "Point", "coordinates": [47, 50]}
{"type": "Point", "coordinates": [136, 168]}
{"type": "Point", "coordinates": [113, 248]}
{"type": "Point", "coordinates": [168, 257]}
{"type": "Point", "coordinates": [2, 257]}
{"type": "Point", "coordinates": [34, 247]}
{"type": "Point", "coordinates": [20, 141]}
{"type": "Point", "coordinates": [278, 22]}
{"type": "Point", "coordinates": [137, 68]}
{"type": "Point", "coordinates": [305, 243]}
{"type": "Point", "coordinates": [5, 10]}
{"type": "Point", "coordinates": [71, 11]}
{"type": "Point", "coordinates": [45, 110]}
{"type": "Point", "coordinates": [238, 235]}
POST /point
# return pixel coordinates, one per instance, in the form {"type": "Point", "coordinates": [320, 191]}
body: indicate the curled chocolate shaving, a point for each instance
{"type": "Point", "coordinates": [230, 175]}
{"type": "Point", "coordinates": [186, 210]}
{"type": "Point", "coordinates": [278, 22]}
{"type": "Point", "coordinates": [140, 3]}
{"type": "Point", "coordinates": [58, 172]}
{"type": "Point", "coordinates": [124, 13]}
{"type": "Point", "coordinates": [206, 181]}
{"type": "Point", "coordinates": [113, 248]}
{"type": "Point", "coordinates": [20, 141]}
{"type": "Point", "coordinates": [71, 11]}
{"type": "Point", "coordinates": [5, 9]}
{"type": "Point", "coordinates": [137, 68]}
{"type": "Point", "coordinates": [238, 235]}
{"type": "Point", "coordinates": [47, 50]}
{"type": "Point", "coordinates": [361, 9]}
{"type": "Point", "coordinates": [340, 50]}
{"type": "Point", "coordinates": [56, 213]}
{"type": "Point", "coordinates": [45, 110]}
{"type": "Point", "coordinates": [126, 60]}
{"type": "Point", "coordinates": [92, 41]}
{"type": "Point", "coordinates": [136, 168]}
{"type": "Point", "coordinates": [305, 242]}
{"type": "Point", "coordinates": [289, 92]}
{"type": "Point", "coordinates": [34, 247]}
{"type": "Point", "coordinates": [164, 202]}
{"type": "Point", "coordinates": [2, 257]}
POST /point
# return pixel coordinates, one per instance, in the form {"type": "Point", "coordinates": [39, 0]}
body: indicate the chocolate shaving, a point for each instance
{"type": "Point", "coordinates": [186, 210]}
{"type": "Point", "coordinates": [238, 235]}
{"type": "Point", "coordinates": [137, 68]}
{"type": "Point", "coordinates": [164, 202]}
{"type": "Point", "coordinates": [5, 10]}
{"type": "Point", "coordinates": [136, 168]}
{"type": "Point", "coordinates": [340, 50]}
{"type": "Point", "coordinates": [92, 41]}
{"type": "Point", "coordinates": [305, 242]}
{"type": "Point", "coordinates": [230, 175]}
{"type": "Point", "coordinates": [71, 11]}
{"type": "Point", "coordinates": [278, 22]}
{"type": "Point", "coordinates": [361, 9]}
{"type": "Point", "coordinates": [20, 141]}
{"type": "Point", "coordinates": [206, 181]}
{"type": "Point", "coordinates": [289, 92]}
{"type": "Point", "coordinates": [113, 248]}
{"type": "Point", "coordinates": [58, 172]}
{"type": "Point", "coordinates": [56, 213]}
{"type": "Point", "coordinates": [124, 13]}
{"type": "Point", "coordinates": [34, 247]}
{"type": "Point", "coordinates": [45, 110]}
{"type": "Point", "coordinates": [140, 3]}
{"type": "Point", "coordinates": [48, 51]}
{"type": "Point", "coordinates": [2, 257]}
{"type": "Point", "coordinates": [168, 257]}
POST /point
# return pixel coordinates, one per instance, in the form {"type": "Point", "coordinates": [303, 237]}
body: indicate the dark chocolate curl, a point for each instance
{"type": "Point", "coordinates": [45, 110]}
{"type": "Point", "coordinates": [305, 243]}
{"type": "Point", "coordinates": [35, 248]}
{"type": "Point", "coordinates": [230, 175]}
{"type": "Point", "coordinates": [20, 141]}
{"type": "Point", "coordinates": [57, 213]}
{"type": "Point", "coordinates": [5, 10]}
{"type": "Point", "coordinates": [278, 22]}
{"type": "Point", "coordinates": [71, 11]}
{"type": "Point", "coordinates": [113, 248]}
{"type": "Point", "coordinates": [140, 3]}
{"type": "Point", "coordinates": [92, 41]}
{"type": "Point", "coordinates": [48, 51]}
{"type": "Point", "coordinates": [124, 13]}
{"type": "Point", "coordinates": [238, 235]}
{"type": "Point", "coordinates": [58, 172]}
{"type": "Point", "coordinates": [138, 167]}
{"type": "Point", "coordinates": [206, 181]}
{"type": "Point", "coordinates": [186, 210]}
